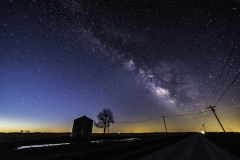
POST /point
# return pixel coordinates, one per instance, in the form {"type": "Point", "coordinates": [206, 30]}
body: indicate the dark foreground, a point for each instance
{"type": "Point", "coordinates": [84, 148]}
{"type": "Point", "coordinates": [89, 148]}
{"type": "Point", "coordinates": [229, 142]}
{"type": "Point", "coordinates": [193, 147]}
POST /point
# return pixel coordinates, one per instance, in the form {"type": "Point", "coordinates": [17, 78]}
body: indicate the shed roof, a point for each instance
{"type": "Point", "coordinates": [84, 117]}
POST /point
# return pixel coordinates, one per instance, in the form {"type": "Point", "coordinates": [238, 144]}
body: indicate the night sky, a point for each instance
{"type": "Point", "coordinates": [62, 59]}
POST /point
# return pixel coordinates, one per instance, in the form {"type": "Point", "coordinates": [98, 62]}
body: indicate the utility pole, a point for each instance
{"type": "Point", "coordinates": [165, 124]}
{"type": "Point", "coordinates": [108, 128]}
{"type": "Point", "coordinates": [204, 128]}
{"type": "Point", "coordinates": [212, 108]}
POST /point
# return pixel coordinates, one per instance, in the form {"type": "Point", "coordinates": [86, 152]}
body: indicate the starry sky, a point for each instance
{"type": "Point", "coordinates": [62, 59]}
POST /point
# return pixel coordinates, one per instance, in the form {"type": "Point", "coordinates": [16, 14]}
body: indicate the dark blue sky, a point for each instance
{"type": "Point", "coordinates": [64, 59]}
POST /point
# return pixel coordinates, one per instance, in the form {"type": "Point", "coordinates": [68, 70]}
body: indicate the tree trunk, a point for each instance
{"type": "Point", "coordinates": [108, 133]}
{"type": "Point", "coordinates": [104, 131]}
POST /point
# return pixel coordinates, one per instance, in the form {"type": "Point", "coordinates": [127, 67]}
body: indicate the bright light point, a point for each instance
{"type": "Point", "coordinates": [130, 65]}
{"type": "Point", "coordinates": [202, 132]}
{"type": "Point", "coordinates": [161, 91]}
{"type": "Point", "coordinates": [150, 76]}
{"type": "Point", "coordinates": [172, 101]}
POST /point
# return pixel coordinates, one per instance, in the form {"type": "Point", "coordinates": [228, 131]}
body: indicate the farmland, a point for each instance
{"type": "Point", "coordinates": [115, 146]}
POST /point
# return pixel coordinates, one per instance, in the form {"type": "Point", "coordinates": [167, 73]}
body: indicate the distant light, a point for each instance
{"type": "Point", "coordinates": [202, 132]}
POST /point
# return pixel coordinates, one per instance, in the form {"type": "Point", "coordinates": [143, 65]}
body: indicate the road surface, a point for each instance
{"type": "Point", "coordinates": [195, 147]}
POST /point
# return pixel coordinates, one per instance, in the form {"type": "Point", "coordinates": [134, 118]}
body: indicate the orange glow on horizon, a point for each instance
{"type": "Point", "coordinates": [231, 123]}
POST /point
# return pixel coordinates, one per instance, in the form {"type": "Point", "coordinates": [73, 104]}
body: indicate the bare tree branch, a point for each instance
{"type": "Point", "coordinates": [105, 118]}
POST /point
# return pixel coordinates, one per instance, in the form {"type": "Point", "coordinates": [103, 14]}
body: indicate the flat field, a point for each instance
{"type": "Point", "coordinates": [53, 146]}
{"type": "Point", "coordinates": [10, 137]}
{"type": "Point", "coordinates": [115, 146]}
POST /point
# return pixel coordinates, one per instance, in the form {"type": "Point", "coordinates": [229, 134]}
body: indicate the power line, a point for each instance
{"type": "Point", "coordinates": [226, 75]}
{"type": "Point", "coordinates": [141, 121]}
{"type": "Point", "coordinates": [226, 125]}
{"type": "Point", "coordinates": [227, 88]}
{"type": "Point", "coordinates": [209, 115]}
{"type": "Point", "coordinates": [164, 116]}
{"type": "Point", "coordinates": [210, 100]}
{"type": "Point", "coordinates": [187, 114]}
{"type": "Point", "coordinates": [205, 118]}
{"type": "Point", "coordinates": [213, 110]}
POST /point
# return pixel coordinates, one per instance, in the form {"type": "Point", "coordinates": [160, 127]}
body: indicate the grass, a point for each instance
{"type": "Point", "coordinates": [10, 137]}
{"type": "Point", "coordinates": [123, 150]}
{"type": "Point", "coordinates": [82, 148]}
{"type": "Point", "coordinates": [230, 143]}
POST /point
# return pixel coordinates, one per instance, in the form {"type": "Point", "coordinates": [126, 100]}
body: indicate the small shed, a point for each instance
{"type": "Point", "coordinates": [82, 127]}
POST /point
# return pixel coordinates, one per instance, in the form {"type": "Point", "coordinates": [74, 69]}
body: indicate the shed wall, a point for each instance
{"type": "Point", "coordinates": [82, 127]}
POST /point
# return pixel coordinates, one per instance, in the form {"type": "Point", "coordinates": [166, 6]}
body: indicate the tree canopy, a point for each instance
{"type": "Point", "coordinates": [105, 118]}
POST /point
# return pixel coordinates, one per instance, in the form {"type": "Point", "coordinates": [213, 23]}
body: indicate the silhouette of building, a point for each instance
{"type": "Point", "coordinates": [82, 127]}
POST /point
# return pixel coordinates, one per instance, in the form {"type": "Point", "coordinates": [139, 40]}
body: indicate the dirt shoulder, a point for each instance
{"type": "Point", "coordinates": [229, 142]}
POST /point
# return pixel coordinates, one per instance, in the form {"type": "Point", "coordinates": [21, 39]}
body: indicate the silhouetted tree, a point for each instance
{"type": "Point", "coordinates": [105, 118]}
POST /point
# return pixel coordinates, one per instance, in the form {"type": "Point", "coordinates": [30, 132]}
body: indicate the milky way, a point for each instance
{"type": "Point", "coordinates": [142, 59]}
